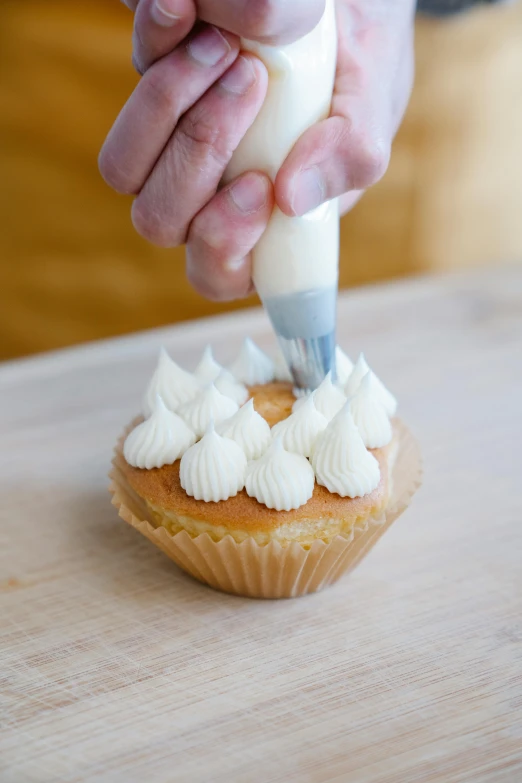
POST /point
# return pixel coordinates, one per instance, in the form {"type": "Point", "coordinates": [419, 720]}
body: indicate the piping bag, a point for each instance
{"type": "Point", "coordinates": [296, 261]}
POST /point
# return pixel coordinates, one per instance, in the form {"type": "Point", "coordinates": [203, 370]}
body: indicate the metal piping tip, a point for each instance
{"type": "Point", "coordinates": [304, 323]}
{"type": "Point", "coordinates": [310, 360]}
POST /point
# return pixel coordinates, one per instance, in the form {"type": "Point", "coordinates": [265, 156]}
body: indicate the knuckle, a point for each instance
{"type": "Point", "coordinates": [152, 226]}
{"type": "Point", "coordinates": [371, 163]}
{"type": "Point", "coordinates": [158, 91]}
{"type": "Point", "coordinates": [113, 174]}
{"type": "Point", "coordinates": [201, 139]}
{"type": "Point", "coordinates": [202, 280]}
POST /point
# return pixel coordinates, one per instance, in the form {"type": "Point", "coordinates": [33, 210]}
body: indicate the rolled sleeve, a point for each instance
{"type": "Point", "coordinates": [442, 7]}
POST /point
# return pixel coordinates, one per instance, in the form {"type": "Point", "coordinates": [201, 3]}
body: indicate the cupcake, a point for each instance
{"type": "Point", "coordinates": [253, 491]}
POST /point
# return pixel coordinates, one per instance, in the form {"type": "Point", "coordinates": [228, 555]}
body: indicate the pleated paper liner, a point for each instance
{"type": "Point", "coordinates": [271, 570]}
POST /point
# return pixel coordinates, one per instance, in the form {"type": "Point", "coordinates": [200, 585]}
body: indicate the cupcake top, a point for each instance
{"type": "Point", "coordinates": [225, 444]}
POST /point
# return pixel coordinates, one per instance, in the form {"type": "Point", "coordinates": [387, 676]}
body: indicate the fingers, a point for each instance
{"type": "Point", "coordinates": [159, 26]}
{"type": "Point", "coordinates": [267, 21]}
{"type": "Point", "coordinates": [348, 201]}
{"type": "Point", "coordinates": [350, 151]}
{"type": "Point", "coordinates": [223, 234]}
{"type": "Point", "coordinates": [333, 157]}
{"type": "Point", "coordinates": [189, 170]}
{"type": "Point", "coordinates": [162, 96]}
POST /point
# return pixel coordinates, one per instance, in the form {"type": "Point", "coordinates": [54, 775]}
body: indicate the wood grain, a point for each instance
{"type": "Point", "coordinates": [116, 667]}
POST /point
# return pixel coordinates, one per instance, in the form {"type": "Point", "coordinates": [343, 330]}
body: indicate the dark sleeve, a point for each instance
{"type": "Point", "coordinates": [441, 7]}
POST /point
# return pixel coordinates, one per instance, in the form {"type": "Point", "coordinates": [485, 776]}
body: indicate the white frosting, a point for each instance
{"type": "Point", "coordinates": [208, 369]}
{"type": "Point", "coordinates": [300, 431]}
{"type": "Point", "coordinates": [174, 385]}
{"type": "Point", "coordinates": [359, 371]}
{"type": "Point", "coordinates": [370, 414]}
{"type": "Point", "coordinates": [341, 461]}
{"type": "Point", "coordinates": [159, 440]}
{"type": "Point", "coordinates": [248, 429]}
{"type": "Point", "coordinates": [209, 406]}
{"type": "Point", "coordinates": [227, 385]}
{"type": "Point", "coordinates": [344, 366]}
{"type": "Point", "coordinates": [281, 371]}
{"type": "Point", "coordinates": [252, 366]}
{"type": "Point", "coordinates": [279, 479]}
{"type": "Point", "coordinates": [300, 84]}
{"type": "Point", "coordinates": [328, 399]}
{"type": "Point", "coordinates": [213, 469]}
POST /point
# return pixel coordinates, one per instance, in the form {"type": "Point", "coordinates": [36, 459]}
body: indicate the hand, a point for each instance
{"type": "Point", "coordinates": [350, 151]}
{"type": "Point", "coordinates": [175, 136]}
{"type": "Point", "coordinates": [160, 25]}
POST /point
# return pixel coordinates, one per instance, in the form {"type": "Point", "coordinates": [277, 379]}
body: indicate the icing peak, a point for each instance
{"type": "Point", "coordinates": [280, 479]}
{"type": "Point", "coordinates": [248, 429]}
{"type": "Point", "coordinates": [174, 385]}
{"type": "Point", "coordinates": [300, 431]}
{"type": "Point", "coordinates": [213, 469]}
{"type": "Point", "coordinates": [227, 385]}
{"type": "Point", "coordinates": [281, 371]}
{"type": "Point", "coordinates": [252, 365]}
{"type": "Point", "coordinates": [341, 461]}
{"type": "Point", "coordinates": [328, 398]}
{"type": "Point", "coordinates": [359, 371]}
{"type": "Point", "coordinates": [209, 406]}
{"type": "Point", "coordinates": [370, 414]}
{"type": "Point", "coordinates": [208, 369]}
{"type": "Point", "coordinates": [344, 366]}
{"type": "Point", "coordinates": [159, 440]}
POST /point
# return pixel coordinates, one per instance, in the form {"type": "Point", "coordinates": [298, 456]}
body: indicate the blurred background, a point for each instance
{"type": "Point", "coordinates": [71, 267]}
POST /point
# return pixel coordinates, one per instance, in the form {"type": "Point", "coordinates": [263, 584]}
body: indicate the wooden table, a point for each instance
{"type": "Point", "coordinates": [117, 668]}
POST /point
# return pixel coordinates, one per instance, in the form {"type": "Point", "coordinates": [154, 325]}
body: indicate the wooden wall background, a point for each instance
{"type": "Point", "coordinates": [71, 267]}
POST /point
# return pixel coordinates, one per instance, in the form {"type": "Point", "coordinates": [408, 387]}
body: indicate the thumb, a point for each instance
{"type": "Point", "coordinates": [350, 150]}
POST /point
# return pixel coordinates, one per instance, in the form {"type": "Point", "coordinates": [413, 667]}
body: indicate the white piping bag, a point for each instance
{"type": "Point", "coordinates": [296, 261]}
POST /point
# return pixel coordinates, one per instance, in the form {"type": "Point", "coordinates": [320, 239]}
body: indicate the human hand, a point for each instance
{"type": "Point", "coordinates": [177, 133]}
{"type": "Point", "coordinates": [350, 151]}
{"type": "Point", "coordinates": [160, 25]}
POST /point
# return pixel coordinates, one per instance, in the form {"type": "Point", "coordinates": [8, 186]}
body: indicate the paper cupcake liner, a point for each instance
{"type": "Point", "coordinates": [272, 570]}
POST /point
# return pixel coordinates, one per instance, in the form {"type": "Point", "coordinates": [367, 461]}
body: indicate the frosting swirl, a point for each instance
{"type": "Point", "coordinates": [341, 461]}
{"type": "Point", "coordinates": [159, 440]}
{"type": "Point", "coordinates": [252, 366]}
{"type": "Point", "coordinates": [227, 385]}
{"type": "Point", "coordinates": [281, 371]}
{"type": "Point", "coordinates": [344, 366]}
{"type": "Point", "coordinates": [279, 479]}
{"type": "Point", "coordinates": [213, 469]}
{"type": "Point", "coordinates": [208, 369]}
{"type": "Point", "coordinates": [209, 406]}
{"type": "Point", "coordinates": [174, 385]}
{"type": "Point", "coordinates": [370, 415]}
{"type": "Point", "coordinates": [248, 429]}
{"type": "Point", "coordinates": [328, 398]}
{"type": "Point", "coordinates": [359, 371]}
{"type": "Point", "coordinates": [300, 431]}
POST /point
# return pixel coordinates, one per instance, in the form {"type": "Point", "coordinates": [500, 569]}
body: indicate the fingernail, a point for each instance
{"type": "Point", "coordinates": [208, 47]}
{"type": "Point", "coordinates": [240, 77]}
{"type": "Point", "coordinates": [308, 190]}
{"type": "Point", "coordinates": [234, 265]}
{"type": "Point", "coordinates": [163, 14]}
{"type": "Point", "coordinates": [249, 193]}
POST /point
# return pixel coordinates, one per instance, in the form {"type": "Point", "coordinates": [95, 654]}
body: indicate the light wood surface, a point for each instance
{"type": "Point", "coordinates": [117, 667]}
